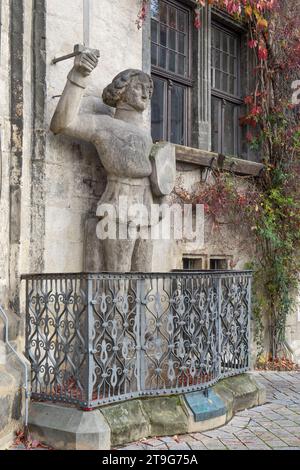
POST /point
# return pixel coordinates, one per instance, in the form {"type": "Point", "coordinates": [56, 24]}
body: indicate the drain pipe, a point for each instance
{"type": "Point", "coordinates": [24, 365]}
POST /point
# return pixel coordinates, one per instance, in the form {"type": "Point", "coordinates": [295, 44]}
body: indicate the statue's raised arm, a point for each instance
{"type": "Point", "coordinates": [66, 118]}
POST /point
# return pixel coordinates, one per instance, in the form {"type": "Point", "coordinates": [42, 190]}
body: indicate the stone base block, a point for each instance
{"type": "Point", "coordinates": [240, 393]}
{"type": "Point", "coordinates": [127, 422]}
{"type": "Point", "coordinates": [166, 415]}
{"type": "Point", "coordinates": [11, 402]}
{"type": "Point", "coordinates": [67, 428]}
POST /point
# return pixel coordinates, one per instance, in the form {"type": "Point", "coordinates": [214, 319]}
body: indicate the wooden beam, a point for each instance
{"type": "Point", "coordinates": [210, 159]}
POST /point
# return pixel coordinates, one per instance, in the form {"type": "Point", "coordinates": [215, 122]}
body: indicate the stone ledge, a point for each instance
{"type": "Point", "coordinates": [65, 427]}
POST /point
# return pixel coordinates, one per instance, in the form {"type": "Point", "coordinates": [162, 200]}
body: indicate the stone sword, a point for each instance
{"type": "Point", "coordinates": [78, 48]}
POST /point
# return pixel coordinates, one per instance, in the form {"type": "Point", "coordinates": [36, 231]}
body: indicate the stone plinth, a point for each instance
{"type": "Point", "coordinates": [67, 428]}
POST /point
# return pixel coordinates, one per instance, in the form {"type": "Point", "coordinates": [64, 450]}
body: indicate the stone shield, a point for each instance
{"type": "Point", "coordinates": [163, 175]}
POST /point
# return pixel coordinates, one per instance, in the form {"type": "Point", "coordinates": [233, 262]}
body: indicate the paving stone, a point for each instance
{"type": "Point", "coordinates": [152, 442]}
{"type": "Point", "coordinates": [216, 445]}
{"type": "Point", "coordinates": [276, 444]}
{"type": "Point", "coordinates": [180, 446]}
{"type": "Point", "coordinates": [167, 439]}
{"type": "Point", "coordinates": [198, 446]}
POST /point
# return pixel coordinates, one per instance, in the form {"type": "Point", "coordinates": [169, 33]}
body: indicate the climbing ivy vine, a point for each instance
{"type": "Point", "coordinates": [270, 205]}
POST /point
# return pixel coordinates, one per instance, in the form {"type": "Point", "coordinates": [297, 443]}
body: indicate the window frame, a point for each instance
{"type": "Point", "coordinates": [225, 97]}
{"type": "Point", "coordinates": [194, 258]}
{"type": "Point", "coordinates": [172, 78]}
{"type": "Point", "coordinates": [224, 258]}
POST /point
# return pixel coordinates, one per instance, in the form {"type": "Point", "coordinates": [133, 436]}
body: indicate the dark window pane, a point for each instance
{"type": "Point", "coordinates": [218, 264]}
{"type": "Point", "coordinates": [217, 38]}
{"type": "Point", "coordinates": [192, 263]}
{"type": "Point", "coordinates": [225, 43]}
{"type": "Point", "coordinates": [232, 65]}
{"type": "Point", "coordinates": [215, 124]}
{"type": "Point", "coordinates": [225, 62]}
{"type": "Point", "coordinates": [232, 90]}
{"type": "Point", "coordinates": [172, 39]}
{"type": "Point", "coordinates": [232, 45]}
{"type": "Point", "coordinates": [225, 82]}
{"type": "Point", "coordinates": [154, 31]}
{"type": "Point", "coordinates": [163, 35]}
{"type": "Point", "coordinates": [181, 43]}
{"type": "Point", "coordinates": [172, 61]}
{"type": "Point", "coordinates": [162, 57]}
{"type": "Point", "coordinates": [153, 54]}
{"type": "Point", "coordinates": [158, 109]}
{"type": "Point", "coordinates": [177, 115]}
{"type": "Point", "coordinates": [181, 18]}
{"type": "Point", "coordinates": [230, 129]}
{"type": "Point", "coordinates": [172, 17]}
{"type": "Point", "coordinates": [181, 65]}
{"type": "Point", "coordinates": [218, 60]}
{"type": "Point", "coordinates": [163, 12]}
{"type": "Point", "coordinates": [217, 83]}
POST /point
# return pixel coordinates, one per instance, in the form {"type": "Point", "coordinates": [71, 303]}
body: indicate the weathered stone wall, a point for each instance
{"type": "Point", "coordinates": [220, 240]}
{"type": "Point", "coordinates": [74, 180]}
{"type": "Point", "coordinates": [4, 150]}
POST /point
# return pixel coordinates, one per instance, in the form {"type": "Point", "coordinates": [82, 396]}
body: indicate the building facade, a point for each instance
{"type": "Point", "coordinates": [50, 185]}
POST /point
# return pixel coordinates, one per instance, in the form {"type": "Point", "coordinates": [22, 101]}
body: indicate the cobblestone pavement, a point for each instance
{"type": "Point", "coordinates": [275, 425]}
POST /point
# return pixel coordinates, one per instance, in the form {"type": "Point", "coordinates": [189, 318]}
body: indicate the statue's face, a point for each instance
{"type": "Point", "coordinates": [137, 93]}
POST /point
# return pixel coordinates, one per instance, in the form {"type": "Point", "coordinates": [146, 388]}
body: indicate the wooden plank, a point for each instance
{"type": "Point", "coordinates": [196, 156]}
{"type": "Point", "coordinates": [214, 160]}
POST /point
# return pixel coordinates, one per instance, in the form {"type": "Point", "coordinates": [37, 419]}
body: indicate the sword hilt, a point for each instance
{"type": "Point", "coordinates": [78, 49]}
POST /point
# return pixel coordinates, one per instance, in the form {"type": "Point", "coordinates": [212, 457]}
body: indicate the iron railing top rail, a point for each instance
{"type": "Point", "coordinates": [138, 275]}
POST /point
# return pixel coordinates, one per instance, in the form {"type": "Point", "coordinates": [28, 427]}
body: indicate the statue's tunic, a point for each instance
{"type": "Point", "coordinates": [125, 155]}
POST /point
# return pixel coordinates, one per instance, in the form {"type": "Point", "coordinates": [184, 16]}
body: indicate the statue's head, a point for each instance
{"type": "Point", "coordinates": [131, 87]}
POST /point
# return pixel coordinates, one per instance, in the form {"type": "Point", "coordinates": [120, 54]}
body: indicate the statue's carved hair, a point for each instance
{"type": "Point", "coordinates": [113, 93]}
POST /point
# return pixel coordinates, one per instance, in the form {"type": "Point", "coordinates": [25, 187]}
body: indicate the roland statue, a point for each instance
{"type": "Point", "coordinates": [135, 169]}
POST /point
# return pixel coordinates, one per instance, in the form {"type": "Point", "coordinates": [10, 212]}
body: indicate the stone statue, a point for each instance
{"type": "Point", "coordinates": [124, 147]}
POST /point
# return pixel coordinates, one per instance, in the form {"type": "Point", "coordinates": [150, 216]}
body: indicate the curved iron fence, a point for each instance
{"type": "Point", "coordinates": [94, 339]}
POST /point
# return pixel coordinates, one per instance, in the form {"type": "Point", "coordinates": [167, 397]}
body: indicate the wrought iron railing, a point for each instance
{"type": "Point", "coordinates": [94, 339]}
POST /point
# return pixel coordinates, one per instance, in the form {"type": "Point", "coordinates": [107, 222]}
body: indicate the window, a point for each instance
{"type": "Point", "coordinates": [170, 59]}
{"type": "Point", "coordinates": [226, 93]}
{"type": "Point", "coordinates": [192, 264]}
{"type": "Point", "coordinates": [218, 264]}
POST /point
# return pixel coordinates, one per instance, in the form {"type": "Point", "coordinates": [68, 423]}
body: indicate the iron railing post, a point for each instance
{"type": "Point", "coordinates": [249, 317]}
{"type": "Point", "coordinates": [140, 338]}
{"type": "Point", "coordinates": [89, 341]}
{"type": "Point", "coordinates": [219, 326]}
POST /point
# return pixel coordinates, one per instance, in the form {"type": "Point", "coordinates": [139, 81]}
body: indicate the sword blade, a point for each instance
{"type": "Point", "coordinates": [86, 22]}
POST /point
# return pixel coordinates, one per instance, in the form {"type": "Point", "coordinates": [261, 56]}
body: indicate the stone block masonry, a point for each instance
{"type": "Point", "coordinates": [64, 427]}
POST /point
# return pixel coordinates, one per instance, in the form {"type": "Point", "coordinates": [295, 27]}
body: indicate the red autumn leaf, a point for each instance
{"type": "Point", "coordinates": [262, 53]}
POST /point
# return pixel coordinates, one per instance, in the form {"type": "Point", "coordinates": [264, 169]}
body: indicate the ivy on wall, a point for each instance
{"type": "Point", "coordinates": [269, 207]}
